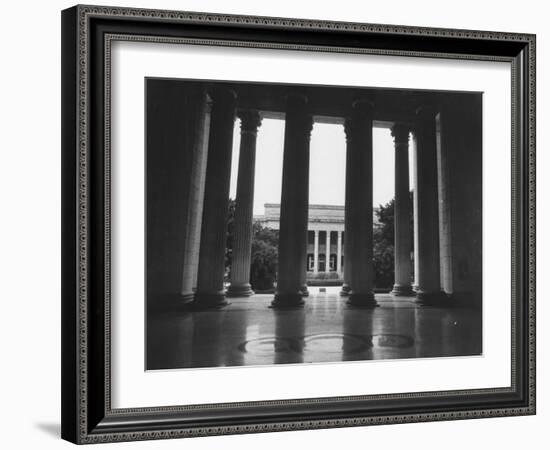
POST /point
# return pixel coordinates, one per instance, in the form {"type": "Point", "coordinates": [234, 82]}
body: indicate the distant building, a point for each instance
{"type": "Point", "coordinates": [325, 231]}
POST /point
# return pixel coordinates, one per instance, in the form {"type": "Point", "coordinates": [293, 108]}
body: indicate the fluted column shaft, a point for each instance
{"type": "Point", "coordinates": [415, 212]}
{"type": "Point", "coordinates": [294, 203]}
{"type": "Point", "coordinates": [428, 277]}
{"type": "Point", "coordinates": [402, 213]}
{"type": "Point", "coordinates": [196, 132]}
{"type": "Point", "coordinates": [240, 264]}
{"type": "Point", "coordinates": [303, 271]}
{"type": "Point", "coordinates": [347, 242]}
{"type": "Point", "coordinates": [210, 284]}
{"type": "Point", "coordinates": [194, 262]}
{"type": "Point", "coordinates": [358, 215]}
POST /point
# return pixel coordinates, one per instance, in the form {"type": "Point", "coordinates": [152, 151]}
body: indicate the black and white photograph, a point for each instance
{"type": "Point", "coordinates": [280, 223]}
{"type": "Point", "coordinates": [296, 223]}
{"type": "Point", "coordinates": [248, 225]}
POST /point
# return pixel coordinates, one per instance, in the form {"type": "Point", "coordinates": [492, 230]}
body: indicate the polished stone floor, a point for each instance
{"type": "Point", "coordinates": [248, 332]}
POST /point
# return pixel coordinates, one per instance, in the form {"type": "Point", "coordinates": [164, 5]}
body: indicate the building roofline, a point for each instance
{"type": "Point", "coordinates": [313, 206]}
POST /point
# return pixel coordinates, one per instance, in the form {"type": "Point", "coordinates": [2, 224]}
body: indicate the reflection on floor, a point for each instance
{"type": "Point", "coordinates": [248, 332]}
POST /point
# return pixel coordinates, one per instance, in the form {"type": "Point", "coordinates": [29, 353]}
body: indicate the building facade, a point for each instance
{"type": "Point", "coordinates": [325, 238]}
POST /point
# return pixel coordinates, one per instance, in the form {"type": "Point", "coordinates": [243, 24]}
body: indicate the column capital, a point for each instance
{"type": "Point", "coordinates": [361, 110]}
{"type": "Point", "coordinates": [400, 133]}
{"type": "Point", "coordinates": [296, 99]}
{"type": "Point", "coordinates": [426, 110]}
{"type": "Point", "coordinates": [223, 96]}
{"type": "Point", "coordinates": [425, 119]}
{"type": "Point", "coordinates": [347, 129]}
{"type": "Point", "coordinates": [209, 102]}
{"type": "Point", "coordinates": [362, 106]}
{"type": "Point", "coordinates": [250, 121]}
{"type": "Point", "coordinates": [297, 108]}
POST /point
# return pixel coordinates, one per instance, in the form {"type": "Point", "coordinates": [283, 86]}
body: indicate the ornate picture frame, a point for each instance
{"type": "Point", "coordinates": [87, 413]}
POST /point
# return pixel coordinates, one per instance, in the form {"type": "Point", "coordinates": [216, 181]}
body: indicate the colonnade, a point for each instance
{"type": "Point", "coordinates": [293, 232]}
{"type": "Point", "coordinates": [327, 245]}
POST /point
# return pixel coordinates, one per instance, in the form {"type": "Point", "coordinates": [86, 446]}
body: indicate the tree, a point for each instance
{"type": "Point", "coordinates": [265, 243]}
{"type": "Point", "coordinates": [268, 235]}
{"type": "Point", "coordinates": [383, 244]}
{"type": "Point", "coordinates": [264, 256]}
{"type": "Point", "coordinates": [264, 251]}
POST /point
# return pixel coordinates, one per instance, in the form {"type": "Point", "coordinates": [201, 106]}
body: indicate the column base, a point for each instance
{"type": "Point", "coordinates": [209, 300]}
{"type": "Point", "coordinates": [270, 290]}
{"type": "Point", "coordinates": [288, 300]}
{"type": "Point", "coordinates": [187, 299]}
{"type": "Point", "coordinates": [304, 291]}
{"type": "Point", "coordinates": [344, 292]}
{"type": "Point", "coordinates": [362, 300]}
{"type": "Point", "coordinates": [239, 290]}
{"type": "Point", "coordinates": [437, 298]}
{"type": "Point", "coordinates": [402, 291]}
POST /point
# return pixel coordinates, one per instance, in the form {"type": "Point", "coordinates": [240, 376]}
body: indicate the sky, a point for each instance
{"type": "Point", "coordinates": [327, 164]}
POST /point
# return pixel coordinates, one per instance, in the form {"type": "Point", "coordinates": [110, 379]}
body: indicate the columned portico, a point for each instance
{"type": "Point", "coordinates": [339, 253]}
{"type": "Point", "coordinates": [402, 213]}
{"type": "Point", "coordinates": [358, 214]}
{"type": "Point", "coordinates": [294, 203]}
{"type": "Point", "coordinates": [240, 265]}
{"type": "Point", "coordinates": [316, 251]}
{"type": "Point", "coordinates": [189, 140]}
{"type": "Point", "coordinates": [427, 231]}
{"type": "Point", "coordinates": [327, 252]}
{"type": "Point", "coordinates": [210, 284]}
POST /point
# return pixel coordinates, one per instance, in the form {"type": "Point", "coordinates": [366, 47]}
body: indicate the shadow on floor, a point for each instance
{"type": "Point", "coordinates": [326, 329]}
{"type": "Point", "coordinates": [52, 429]}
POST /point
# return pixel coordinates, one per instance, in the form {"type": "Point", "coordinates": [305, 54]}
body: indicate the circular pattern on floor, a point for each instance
{"type": "Point", "coordinates": [324, 342]}
{"type": "Point", "coordinates": [336, 343]}
{"type": "Point", "coordinates": [267, 345]}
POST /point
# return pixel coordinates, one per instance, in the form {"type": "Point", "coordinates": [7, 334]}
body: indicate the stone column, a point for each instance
{"type": "Point", "coordinates": [177, 125]}
{"type": "Point", "coordinates": [210, 288]}
{"type": "Point", "coordinates": [316, 251]}
{"type": "Point", "coordinates": [428, 277]}
{"type": "Point", "coordinates": [327, 252]}
{"type": "Point", "coordinates": [194, 262]}
{"type": "Point", "coordinates": [303, 273]}
{"type": "Point", "coordinates": [359, 204]}
{"type": "Point", "coordinates": [402, 213]}
{"type": "Point", "coordinates": [347, 251]}
{"type": "Point", "coordinates": [415, 211]}
{"type": "Point", "coordinates": [240, 265]}
{"type": "Point", "coordinates": [294, 203]}
{"type": "Point", "coordinates": [339, 254]}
